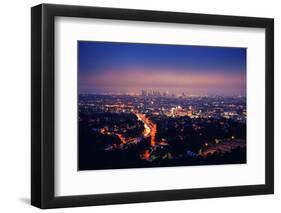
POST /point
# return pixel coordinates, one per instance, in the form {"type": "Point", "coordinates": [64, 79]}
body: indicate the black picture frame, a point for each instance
{"type": "Point", "coordinates": [43, 111]}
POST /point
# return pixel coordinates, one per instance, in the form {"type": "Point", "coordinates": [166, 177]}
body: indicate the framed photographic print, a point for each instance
{"type": "Point", "coordinates": [140, 106]}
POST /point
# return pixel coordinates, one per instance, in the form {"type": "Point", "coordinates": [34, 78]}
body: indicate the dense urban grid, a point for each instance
{"type": "Point", "coordinates": [155, 128]}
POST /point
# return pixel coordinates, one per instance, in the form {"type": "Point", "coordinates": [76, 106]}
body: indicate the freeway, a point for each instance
{"type": "Point", "coordinates": [150, 128]}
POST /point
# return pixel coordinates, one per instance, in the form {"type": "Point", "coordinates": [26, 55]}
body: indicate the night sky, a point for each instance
{"type": "Point", "coordinates": [121, 68]}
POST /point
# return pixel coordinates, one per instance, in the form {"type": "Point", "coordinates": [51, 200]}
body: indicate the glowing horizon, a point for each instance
{"type": "Point", "coordinates": [108, 67]}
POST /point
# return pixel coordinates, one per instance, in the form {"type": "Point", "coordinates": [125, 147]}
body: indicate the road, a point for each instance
{"type": "Point", "coordinates": [150, 128]}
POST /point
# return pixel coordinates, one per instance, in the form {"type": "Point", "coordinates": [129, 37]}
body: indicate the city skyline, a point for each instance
{"type": "Point", "coordinates": [156, 105]}
{"type": "Point", "coordinates": [111, 67]}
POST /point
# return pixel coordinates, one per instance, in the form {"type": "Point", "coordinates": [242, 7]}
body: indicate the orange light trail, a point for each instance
{"type": "Point", "coordinates": [150, 128]}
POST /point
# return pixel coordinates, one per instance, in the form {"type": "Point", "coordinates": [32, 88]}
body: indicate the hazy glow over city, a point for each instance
{"type": "Point", "coordinates": [107, 67]}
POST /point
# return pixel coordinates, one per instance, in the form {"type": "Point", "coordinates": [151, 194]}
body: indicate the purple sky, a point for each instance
{"type": "Point", "coordinates": [109, 67]}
